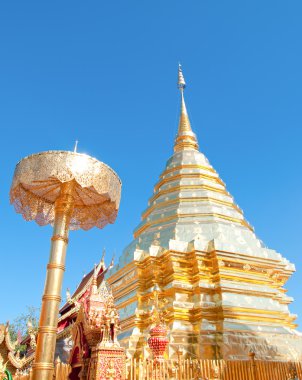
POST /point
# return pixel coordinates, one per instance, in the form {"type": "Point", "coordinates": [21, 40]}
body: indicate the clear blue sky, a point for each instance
{"type": "Point", "coordinates": [104, 72]}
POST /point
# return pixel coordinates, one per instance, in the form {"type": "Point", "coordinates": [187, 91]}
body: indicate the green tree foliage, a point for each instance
{"type": "Point", "coordinates": [19, 328]}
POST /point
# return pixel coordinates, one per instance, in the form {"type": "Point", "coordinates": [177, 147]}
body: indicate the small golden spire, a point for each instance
{"type": "Point", "coordinates": [68, 296]}
{"type": "Point", "coordinates": [185, 138]}
{"type": "Point", "coordinates": [94, 280]}
{"type": "Point", "coordinates": [102, 262]}
{"type": "Point", "coordinates": [111, 265]}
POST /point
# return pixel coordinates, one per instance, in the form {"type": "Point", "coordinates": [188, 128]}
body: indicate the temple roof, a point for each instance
{"type": "Point", "coordinates": [84, 286]}
{"type": "Point", "coordinates": [8, 355]}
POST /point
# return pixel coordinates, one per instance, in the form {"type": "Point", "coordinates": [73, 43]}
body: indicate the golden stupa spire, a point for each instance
{"type": "Point", "coordinates": [185, 138]}
{"type": "Point", "coordinates": [94, 280]}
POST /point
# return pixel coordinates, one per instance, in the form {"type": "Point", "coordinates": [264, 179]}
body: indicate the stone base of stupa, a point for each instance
{"type": "Point", "coordinates": [237, 345]}
{"type": "Point", "coordinates": [231, 345]}
{"type": "Point", "coordinates": [278, 347]}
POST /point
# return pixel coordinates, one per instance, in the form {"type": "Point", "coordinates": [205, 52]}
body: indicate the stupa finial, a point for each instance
{"type": "Point", "coordinates": [185, 138]}
{"type": "Point", "coordinates": [181, 80]}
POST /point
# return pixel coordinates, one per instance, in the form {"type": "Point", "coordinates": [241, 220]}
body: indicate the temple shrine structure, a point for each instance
{"type": "Point", "coordinates": [223, 288]}
{"type": "Point", "coordinates": [87, 331]}
{"type": "Point", "coordinates": [86, 335]}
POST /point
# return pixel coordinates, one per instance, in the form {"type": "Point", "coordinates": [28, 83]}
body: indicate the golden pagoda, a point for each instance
{"type": "Point", "coordinates": [223, 289]}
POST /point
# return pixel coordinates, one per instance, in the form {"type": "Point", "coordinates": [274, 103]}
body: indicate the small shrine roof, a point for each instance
{"type": "Point", "coordinates": [83, 286]}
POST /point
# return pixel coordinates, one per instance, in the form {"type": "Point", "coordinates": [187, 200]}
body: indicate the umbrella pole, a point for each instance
{"type": "Point", "coordinates": [43, 367]}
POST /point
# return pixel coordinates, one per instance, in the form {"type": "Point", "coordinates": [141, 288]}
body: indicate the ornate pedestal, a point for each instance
{"type": "Point", "coordinates": [107, 363]}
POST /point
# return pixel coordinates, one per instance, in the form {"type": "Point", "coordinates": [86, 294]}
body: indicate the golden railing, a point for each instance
{"type": "Point", "coordinates": [61, 373]}
{"type": "Point", "coordinates": [198, 370]}
{"type": "Point", "coordinates": [213, 370]}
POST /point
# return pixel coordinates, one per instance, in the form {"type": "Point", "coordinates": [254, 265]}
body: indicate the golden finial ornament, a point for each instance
{"type": "Point", "coordinates": [185, 138]}
{"type": "Point", "coordinates": [68, 296]}
{"type": "Point", "coordinates": [94, 278]}
{"type": "Point", "coordinates": [102, 262]}
{"type": "Point", "coordinates": [158, 312]}
{"type": "Point", "coordinates": [181, 80]}
{"type": "Point", "coordinates": [111, 265]}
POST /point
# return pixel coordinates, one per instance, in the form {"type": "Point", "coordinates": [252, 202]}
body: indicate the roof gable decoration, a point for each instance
{"type": "Point", "coordinates": [9, 356]}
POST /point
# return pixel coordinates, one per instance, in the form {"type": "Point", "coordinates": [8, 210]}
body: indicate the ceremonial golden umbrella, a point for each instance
{"type": "Point", "coordinates": [70, 191]}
